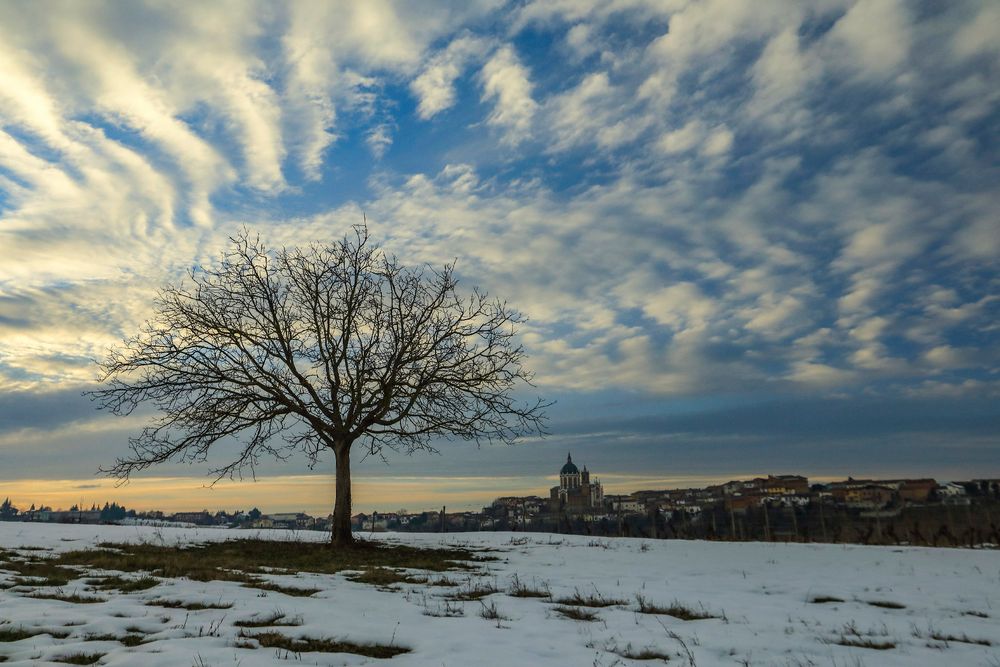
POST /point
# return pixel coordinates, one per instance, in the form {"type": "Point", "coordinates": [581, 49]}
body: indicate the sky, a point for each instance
{"type": "Point", "coordinates": [750, 237]}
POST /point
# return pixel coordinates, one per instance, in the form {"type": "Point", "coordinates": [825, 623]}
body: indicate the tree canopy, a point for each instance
{"type": "Point", "coordinates": [313, 349]}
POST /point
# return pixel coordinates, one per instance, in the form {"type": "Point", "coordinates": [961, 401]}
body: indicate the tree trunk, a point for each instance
{"type": "Point", "coordinates": [340, 533]}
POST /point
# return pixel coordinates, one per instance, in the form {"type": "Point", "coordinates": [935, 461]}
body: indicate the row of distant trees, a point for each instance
{"type": "Point", "coordinates": [110, 511]}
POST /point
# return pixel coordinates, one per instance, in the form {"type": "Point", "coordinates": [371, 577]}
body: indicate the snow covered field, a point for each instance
{"type": "Point", "coordinates": [765, 604]}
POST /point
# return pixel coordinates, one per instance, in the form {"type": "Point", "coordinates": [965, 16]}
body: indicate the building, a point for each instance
{"type": "Point", "coordinates": [289, 520]}
{"type": "Point", "coordinates": [576, 493]}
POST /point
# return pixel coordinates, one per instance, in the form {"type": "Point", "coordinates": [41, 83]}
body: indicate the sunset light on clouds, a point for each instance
{"type": "Point", "coordinates": [750, 237]}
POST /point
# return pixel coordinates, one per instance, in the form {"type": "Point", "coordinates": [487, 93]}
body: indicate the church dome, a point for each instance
{"type": "Point", "coordinates": [570, 468]}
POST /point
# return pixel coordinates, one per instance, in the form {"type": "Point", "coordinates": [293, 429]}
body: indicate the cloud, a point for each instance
{"type": "Point", "coordinates": [873, 38]}
{"type": "Point", "coordinates": [21, 410]}
{"type": "Point", "coordinates": [731, 196]}
{"type": "Point", "coordinates": [435, 86]}
{"type": "Point", "coordinates": [506, 84]}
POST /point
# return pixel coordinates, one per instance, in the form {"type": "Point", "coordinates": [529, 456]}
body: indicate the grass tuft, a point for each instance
{"type": "Point", "coordinates": [278, 588]}
{"type": "Point", "coordinates": [79, 658]}
{"type": "Point", "coordinates": [473, 592]}
{"type": "Point", "coordinates": [675, 609]}
{"type": "Point", "coordinates": [447, 610]}
{"type": "Point", "coordinates": [74, 598]}
{"type": "Point", "coordinates": [886, 604]}
{"type": "Point", "coordinates": [962, 638]}
{"type": "Point", "coordinates": [307, 644]}
{"type": "Point", "coordinates": [647, 653]}
{"type": "Point", "coordinates": [126, 640]}
{"type": "Point", "coordinates": [596, 600]}
{"type": "Point", "coordinates": [278, 618]}
{"type": "Point", "coordinates": [124, 584]}
{"type": "Point", "coordinates": [384, 576]}
{"type": "Point", "coordinates": [17, 634]}
{"type": "Point", "coordinates": [576, 613]}
{"type": "Point", "coordinates": [240, 559]}
{"type": "Point", "coordinates": [189, 606]}
{"type": "Point", "coordinates": [518, 589]}
{"type": "Point", "coordinates": [491, 613]}
{"type": "Point", "coordinates": [45, 572]}
{"type": "Point", "coordinates": [865, 642]}
{"type": "Point", "coordinates": [442, 581]}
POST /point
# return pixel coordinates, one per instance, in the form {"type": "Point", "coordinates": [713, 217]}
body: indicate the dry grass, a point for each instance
{"type": "Point", "coordinates": [885, 604]}
{"type": "Point", "coordinates": [74, 598]}
{"type": "Point", "coordinates": [188, 606]}
{"type": "Point", "coordinates": [12, 634]}
{"type": "Point", "coordinates": [40, 572]}
{"type": "Point", "coordinates": [576, 613]}
{"type": "Point", "coordinates": [123, 584]}
{"type": "Point", "coordinates": [79, 658]}
{"type": "Point", "coordinates": [307, 644]}
{"type": "Point", "coordinates": [447, 610]}
{"type": "Point", "coordinates": [518, 589]}
{"type": "Point", "coordinates": [275, 619]}
{"type": "Point", "coordinates": [239, 559]}
{"type": "Point", "coordinates": [962, 638]}
{"type": "Point", "coordinates": [595, 600]}
{"type": "Point", "coordinates": [647, 653]}
{"type": "Point", "coordinates": [473, 592]}
{"type": "Point", "coordinates": [126, 640]}
{"type": "Point", "coordinates": [875, 639]}
{"type": "Point", "coordinates": [278, 588]}
{"type": "Point", "coordinates": [865, 642]}
{"type": "Point", "coordinates": [385, 577]}
{"type": "Point", "coordinates": [675, 609]}
{"type": "Point", "coordinates": [442, 581]}
{"type": "Point", "coordinates": [490, 612]}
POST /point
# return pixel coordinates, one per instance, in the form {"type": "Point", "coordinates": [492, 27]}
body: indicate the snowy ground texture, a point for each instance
{"type": "Point", "coordinates": [767, 604]}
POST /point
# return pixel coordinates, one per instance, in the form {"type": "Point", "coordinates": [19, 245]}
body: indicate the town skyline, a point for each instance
{"type": "Point", "coordinates": [376, 498]}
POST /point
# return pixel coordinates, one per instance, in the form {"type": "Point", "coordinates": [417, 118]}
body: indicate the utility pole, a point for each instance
{"type": "Point", "coordinates": [822, 520]}
{"type": "Point", "coordinates": [732, 521]}
{"type": "Point", "coordinates": [767, 522]}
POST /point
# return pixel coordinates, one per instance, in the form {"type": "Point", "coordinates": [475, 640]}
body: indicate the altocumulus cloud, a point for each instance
{"type": "Point", "coordinates": [718, 198]}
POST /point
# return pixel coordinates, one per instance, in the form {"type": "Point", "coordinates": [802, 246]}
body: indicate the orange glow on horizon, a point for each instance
{"type": "Point", "coordinates": [314, 494]}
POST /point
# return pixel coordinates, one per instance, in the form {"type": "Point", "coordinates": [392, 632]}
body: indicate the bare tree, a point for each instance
{"type": "Point", "coordinates": [314, 349]}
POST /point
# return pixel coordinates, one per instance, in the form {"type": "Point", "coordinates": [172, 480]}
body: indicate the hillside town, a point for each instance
{"type": "Point", "coordinates": [776, 507]}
